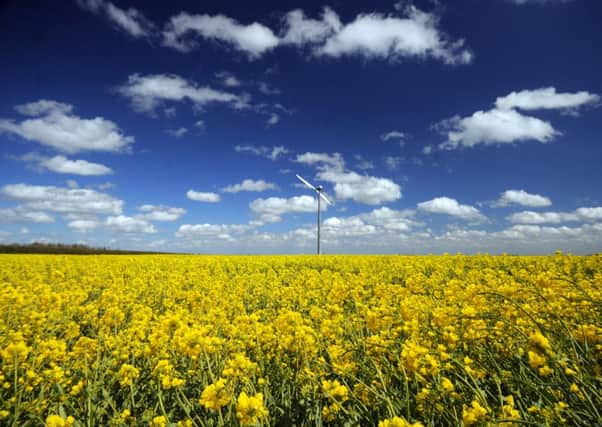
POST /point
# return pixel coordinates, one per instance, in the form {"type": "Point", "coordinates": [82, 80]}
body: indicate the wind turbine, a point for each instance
{"type": "Point", "coordinates": [320, 192]}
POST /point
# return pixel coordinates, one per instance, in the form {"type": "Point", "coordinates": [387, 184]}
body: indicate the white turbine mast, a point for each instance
{"type": "Point", "coordinates": [320, 196]}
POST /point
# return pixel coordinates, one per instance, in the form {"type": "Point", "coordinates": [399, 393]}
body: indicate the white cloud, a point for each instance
{"type": "Point", "coordinates": [61, 164]}
{"type": "Point", "coordinates": [22, 214]}
{"type": "Point", "coordinates": [250, 185]}
{"type": "Point", "coordinates": [83, 225]}
{"type": "Point", "coordinates": [203, 197]}
{"type": "Point", "coordinates": [521, 197]}
{"type": "Point", "coordinates": [392, 38]}
{"type": "Point", "coordinates": [58, 129]}
{"type": "Point", "coordinates": [177, 133]}
{"type": "Point", "coordinates": [160, 213]}
{"type": "Point", "coordinates": [106, 186]}
{"type": "Point", "coordinates": [394, 134]}
{"type": "Point", "coordinates": [63, 200]}
{"type": "Point", "coordinates": [146, 93]}
{"type": "Point", "coordinates": [273, 119]}
{"type": "Point", "coordinates": [590, 213]}
{"type": "Point", "coordinates": [228, 79]}
{"type": "Point", "coordinates": [210, 231]}
{"type": "Point", "coordinates": [272, 208]}
{"type": "Point", "coordinates": [495, 127]}
{"type": "Point", "coordinates": [334, 160]}
{"type": "Point", "coordinates": [530, 217]}
{"type": "Point", "coordinates": [504, 124]}
{"type": "Point", "coordinates": [365, 189]}
{"type": "Point", "coordinates": [362, 163]}
{"type": "Point", "coordinates": [268, 90]}
{"type": "Point", "coordinates": [132, 21]}
{"type": "Point", "coordinates": [546, 98]}
{"type": "Point", "coordinates": [415, 34]}
{"type": "Point", "coordinates": [300, 30]}
{"type": "Point", "coordinates": [127, 224]}
{"type": "Point", "coordinates": [449, 206]}
{"type": "Point", "coordinates": [272, 153]}
{"type": "Point", "coordinates": [254, 39]}
{"type": "Point", "coordinates": [392, 162]}
{"type": "Point", "coordinates": [580, 214]}
{"type": "Point", "coordinates": [43, 106]}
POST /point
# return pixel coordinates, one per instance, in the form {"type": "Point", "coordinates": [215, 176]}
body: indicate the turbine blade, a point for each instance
{"type": "Point", "coordinates": [306, 183]}
{"type": "Point", "coordinates": [325, 198]}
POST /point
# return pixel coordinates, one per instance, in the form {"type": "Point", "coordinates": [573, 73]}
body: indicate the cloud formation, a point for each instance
{"type": "Point", "coordinates": [62, 200]}
{"type": "Point", "coordinates": [250, 185]}
{"type": "Point", "coordinates": [132, 21]}
{"type": "Point", "coordinates": [199, 196]}
{"type": "Point", "coordinates": [504, 124]}
{"type": "Point", "coordinates": [522, 198]}
{"type": "Point", "coordinates": [147, 92]}
{"type": "Point", "coordinates": [449, 206]}
{"type": "Point", "coordinates": [55, 126]}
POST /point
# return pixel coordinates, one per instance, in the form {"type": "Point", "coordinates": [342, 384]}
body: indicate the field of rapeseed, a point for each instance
{"type": "Point", "coordinates": [385, 341]}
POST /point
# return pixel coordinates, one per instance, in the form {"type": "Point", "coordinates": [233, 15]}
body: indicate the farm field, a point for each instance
{"type": "Point", "coordinates": [391, 341]}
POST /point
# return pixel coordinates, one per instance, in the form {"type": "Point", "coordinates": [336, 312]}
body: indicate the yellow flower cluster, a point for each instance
{"type": "Point", "coordinates": [393, 341]}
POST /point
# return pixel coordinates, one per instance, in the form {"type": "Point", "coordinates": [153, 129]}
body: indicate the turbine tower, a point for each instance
{"type": "Point", "coordinates": [320, 195]}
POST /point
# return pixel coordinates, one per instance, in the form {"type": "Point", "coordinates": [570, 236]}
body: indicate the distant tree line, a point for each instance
{"type": "Point", "coordinates": [61, 248]}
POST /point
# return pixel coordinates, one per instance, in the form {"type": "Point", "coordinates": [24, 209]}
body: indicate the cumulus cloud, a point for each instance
{"type": "Point", "coordinates": [412, 34]}
{"type": "Point", "coordinates": [300, 30]}
{"type": "Point", "coordinates": [160, 213]}
{"type": "Point", "coordinates": [209, 232]}
{"type": "Point", "coordinates": [272, 153]}
{"type": "Point", "coordinates": [531, 217]}
{"type": "Point", "coordinates": [449, 206]}
{"type": "Point", "coordinates": [350, 185]}
{"type": "Point", "coordinates": [55, 126]}
{"type": "Point", "coordinates": [253, 39]}
{"type": "Point", "coordinates": [521, 197]}
{"type": "Point", "coordinates": [146, 93]}
{"type": "Point", "coordinates": [503, 124]}
{"type": "Point", "coordinates": [272, 208]}
{"type": "Point", "coordinates": [495, 127]}
{"type": "Point", "coordinates": [334, 160]}
{"type": "Point", "coordinates": [580, 214]}
{"type": "Point", "coordinates": [83, 225]}
{"type": "Point", "coordinates": [127, 224]}
{"type": "Point", "coordinates": [250, 185]}
{"type": "Point", "coordinates": [590, 213]}
{"type": "Point", "coordinates": [132, 21]}
{"type": "Point", "coordinates": [206, 197]}
{"type": "Point", "coordinates": [376, 36]}
{"type": "Point", "coordinates": [62, 200]}
{"type": "Point", "coordinates": [546, 98]}
{"type": "Point", "coordinates": [21, 214]}
{"type": "Point", "coordinates": [61, 164]}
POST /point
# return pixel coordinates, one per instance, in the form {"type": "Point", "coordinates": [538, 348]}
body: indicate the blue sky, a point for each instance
{"type": "Point", "coordinates": [465, 126]}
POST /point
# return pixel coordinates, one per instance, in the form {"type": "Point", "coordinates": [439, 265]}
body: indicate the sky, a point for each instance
{"type": "Point", "coordinates": [466, 126]}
